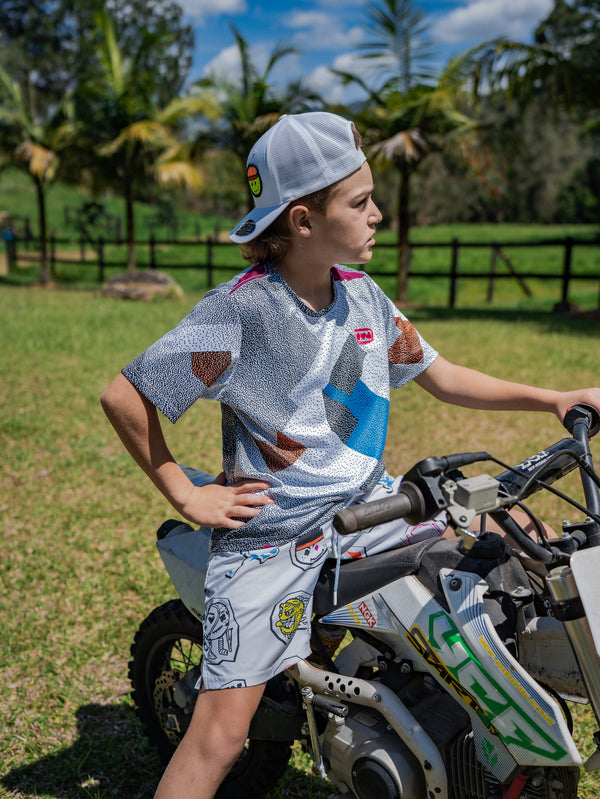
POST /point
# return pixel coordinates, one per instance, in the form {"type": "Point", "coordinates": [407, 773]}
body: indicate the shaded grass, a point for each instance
{"type": "Point", "coordinates": [78, 565]}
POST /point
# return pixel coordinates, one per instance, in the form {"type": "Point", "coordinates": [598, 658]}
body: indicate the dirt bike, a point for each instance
{"type": "Point", "coordinates": [458, 656]}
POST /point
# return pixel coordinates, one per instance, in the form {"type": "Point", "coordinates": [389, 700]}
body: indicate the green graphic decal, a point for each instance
{"type": "Point", "coordinates": [446, 652]}
{"type": "Point", "coordinates": [489, 752]}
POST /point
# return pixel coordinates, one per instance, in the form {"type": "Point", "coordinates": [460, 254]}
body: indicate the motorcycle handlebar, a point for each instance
{"type": "Point", "coordinates": [408, 503]}
{"type": "Point", "coordinates": [412, 504]}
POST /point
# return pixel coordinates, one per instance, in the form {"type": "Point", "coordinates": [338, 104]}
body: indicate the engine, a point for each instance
{"type": "Point", "coordinates": [368, 759]}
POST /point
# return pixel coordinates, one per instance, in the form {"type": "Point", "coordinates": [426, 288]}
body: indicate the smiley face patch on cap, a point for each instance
{"type": "Point", "coordinates": [254, 180]}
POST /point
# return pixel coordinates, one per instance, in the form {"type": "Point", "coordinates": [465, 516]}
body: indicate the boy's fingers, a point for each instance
{"type": "Point", "coordinates": [251, 485]}
{"type": "Point", "coordinates": [255, 499]}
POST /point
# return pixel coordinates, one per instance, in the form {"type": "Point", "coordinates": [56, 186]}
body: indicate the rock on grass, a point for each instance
{"type": "Point", "coordinates": [143, 285]}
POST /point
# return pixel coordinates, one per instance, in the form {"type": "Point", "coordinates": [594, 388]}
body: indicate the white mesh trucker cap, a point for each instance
{"type": "Point", "coordinates": [300, 154]}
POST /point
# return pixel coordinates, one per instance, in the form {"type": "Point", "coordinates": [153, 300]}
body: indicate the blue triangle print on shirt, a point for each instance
{"type": "Point", "coordinates": [359, 419]}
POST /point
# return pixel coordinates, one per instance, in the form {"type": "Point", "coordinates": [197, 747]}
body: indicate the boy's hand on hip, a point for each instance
{"type": "Point", "coordinates": [218, 505]}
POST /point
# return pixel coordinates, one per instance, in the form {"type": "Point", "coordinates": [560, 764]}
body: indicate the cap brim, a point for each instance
{"type": "Point", "coordinates": [253, 224]}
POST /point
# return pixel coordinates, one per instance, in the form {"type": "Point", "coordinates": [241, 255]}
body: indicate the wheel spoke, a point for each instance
{"type": "Point", "coordinates": [185, 654]}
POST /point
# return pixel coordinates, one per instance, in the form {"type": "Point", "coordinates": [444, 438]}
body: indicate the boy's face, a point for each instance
{"type": "Point", "coordinates": [345, 231]}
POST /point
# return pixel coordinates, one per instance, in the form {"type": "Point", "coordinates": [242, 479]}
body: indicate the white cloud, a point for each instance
{"type": "Point", "coordinates": [480, 20]}
{"type": "Point", "coordinates": [329, 86]}
{"type": "Point", "coordinates": [318, 30]}
{"type": "Point", "coordinates": [199, 9]}
{"type": "Point", "coordinates": [227, 64]}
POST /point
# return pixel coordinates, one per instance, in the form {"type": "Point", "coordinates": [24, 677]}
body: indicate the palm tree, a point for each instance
{"type": "Point", "coordinates": [250, 106]}
{"type": "Point", "coordinates": [34, 146]}
{"type": "Point", "coordinates": [555, 76]}
{"type": "Point", "coordinates": [410, 113]}
{"type": "Point", "coordinates": [562, 62]}
{"type": "Point", "coordinates": [123, 137]}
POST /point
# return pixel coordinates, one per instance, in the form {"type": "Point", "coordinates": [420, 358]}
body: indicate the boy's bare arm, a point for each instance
{"type": "Point", "coordinates": [459, 385]}
{"type": "Point", "coordinates": [136, 422]}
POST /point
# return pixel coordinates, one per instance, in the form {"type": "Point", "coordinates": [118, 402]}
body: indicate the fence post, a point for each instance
{"type": "Point", "coordinates": [454, 272]}
{"type": "Point", "coordinates": [152, 252]}
{"type": "Point", "coordinates": [564, 304]}
{"type": "Point", "coordinates": [53, 255]}
{"type": "Point", "coordinates": [490, 291]}
{"type": "Point", "coordinates": [209, 261]}
{"type": "Point", "coordinates": [101, 259]}
{"type": "Point", "coordinates": [10, 242]}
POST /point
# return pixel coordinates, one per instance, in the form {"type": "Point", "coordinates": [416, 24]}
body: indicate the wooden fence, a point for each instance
{"type": "Point", "coordinates": [453, 273]}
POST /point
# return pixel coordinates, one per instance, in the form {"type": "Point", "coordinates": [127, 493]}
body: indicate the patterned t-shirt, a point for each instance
{"type": "Point", "coordinates": [304, 395]}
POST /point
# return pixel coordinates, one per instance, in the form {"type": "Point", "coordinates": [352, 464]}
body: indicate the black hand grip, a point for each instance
{"type": "Point", "coordinates": [408, 503]}
{"type": "Point", "coordinates": [585, 412]}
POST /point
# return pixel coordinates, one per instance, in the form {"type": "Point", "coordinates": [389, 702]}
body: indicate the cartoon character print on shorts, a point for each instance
{"type": "Point", "coordinates": [356, 553]}
{"type": "Point", "coordinates": [387, 481]}
{"type": "Point", "coordinates": [255, 556]}
{"type": "Point", "coordinates": [221, 631]}
{"type": "Point", "coordinates": [289, 615]}
{"type": "Point", "coordinates": [309, 550]}
{"type": "Point", "coordinates": [238, 683]}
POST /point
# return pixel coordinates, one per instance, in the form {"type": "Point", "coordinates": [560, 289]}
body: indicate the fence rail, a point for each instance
{"type": "Point", "coordinates": [453, 274]}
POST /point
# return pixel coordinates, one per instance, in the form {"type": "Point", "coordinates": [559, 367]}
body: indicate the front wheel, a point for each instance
{"type": "Point", "coordinates": [164, 668]}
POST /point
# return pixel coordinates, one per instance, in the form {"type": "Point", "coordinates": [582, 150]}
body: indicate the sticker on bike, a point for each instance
{"type": "Point", "coordinates": [445, 650]}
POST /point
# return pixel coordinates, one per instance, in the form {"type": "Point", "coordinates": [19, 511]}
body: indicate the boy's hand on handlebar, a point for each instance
{"type": "Point", "coordinates": [218, 505]}
{"type": "Point", "coordinates": [566, 400]}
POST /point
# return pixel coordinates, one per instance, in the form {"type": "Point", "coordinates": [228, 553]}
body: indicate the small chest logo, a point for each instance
{"type": "Point", "coordinates": [364, 335]}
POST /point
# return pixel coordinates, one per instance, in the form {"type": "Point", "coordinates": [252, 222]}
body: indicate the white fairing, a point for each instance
{"type": "Point", "coordinates": [514, 720]}
{"type": "Point", "coordinates": [585, 565]}
{"type": "Point", "coordinates": [185, 555]}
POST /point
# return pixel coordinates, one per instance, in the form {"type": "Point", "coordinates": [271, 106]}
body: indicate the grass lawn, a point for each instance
{"type": "Point", "coordinates": [78, 565]}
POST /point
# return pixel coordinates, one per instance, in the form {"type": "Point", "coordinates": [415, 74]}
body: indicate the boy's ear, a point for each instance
{"type": "Point", "coordinates": [299, 220]}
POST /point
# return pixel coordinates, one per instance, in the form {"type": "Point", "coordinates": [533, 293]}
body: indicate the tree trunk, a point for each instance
{"type": "Point", "coordinates": [403, 233]}
{"type": "Point", "coordinates": [45, 276]}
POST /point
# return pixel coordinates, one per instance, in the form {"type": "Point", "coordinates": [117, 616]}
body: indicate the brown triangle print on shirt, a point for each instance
{"type": "Point", "coordinates": [281, 456]}
{"type": "Point", "coordinates": [407, 348]}
{"type": "Point", "coordinates": [209, 366]}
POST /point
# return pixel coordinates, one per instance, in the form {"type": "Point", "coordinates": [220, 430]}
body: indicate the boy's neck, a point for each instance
{"type": "Point", "coordinates": [310, 282]}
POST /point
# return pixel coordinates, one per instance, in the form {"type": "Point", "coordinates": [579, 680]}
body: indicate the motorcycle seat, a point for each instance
{"type": "Point", "coordinates": [365, 575]}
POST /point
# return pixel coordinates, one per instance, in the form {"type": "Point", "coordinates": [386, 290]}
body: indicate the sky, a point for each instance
{"type": "Point", "coordinates": [327, 33]}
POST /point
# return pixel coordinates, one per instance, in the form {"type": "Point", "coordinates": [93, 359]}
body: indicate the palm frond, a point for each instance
{"type": "Point", "coordinates": [174, 168]}
{"type": "Point", "coordinates": [41, 161]}
{"type": "Point", "coordinates": [406, 145]}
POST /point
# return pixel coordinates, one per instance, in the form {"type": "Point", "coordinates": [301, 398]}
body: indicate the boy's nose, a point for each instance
{"type": "Point", "coordinates": [376, 215]}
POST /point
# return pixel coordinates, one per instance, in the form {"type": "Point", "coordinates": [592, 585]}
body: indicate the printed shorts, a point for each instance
{"type": "Point", "coordinates": [259, 603]}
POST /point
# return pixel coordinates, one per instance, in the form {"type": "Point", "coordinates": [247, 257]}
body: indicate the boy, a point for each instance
{"type": "Point", "coordinates": [301, 353]}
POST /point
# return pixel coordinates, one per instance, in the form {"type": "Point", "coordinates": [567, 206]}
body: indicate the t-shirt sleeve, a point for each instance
{"type": "Point", "coordinates": [193, 360]}
{"type": "Point", "coordinates": [408, 352]}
